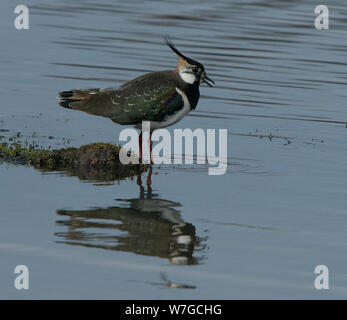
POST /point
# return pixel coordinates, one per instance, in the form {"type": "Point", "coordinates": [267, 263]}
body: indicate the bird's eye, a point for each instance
{"type": "Point", "coordinates": [195, 70]}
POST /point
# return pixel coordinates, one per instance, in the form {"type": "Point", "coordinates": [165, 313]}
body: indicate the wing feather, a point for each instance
{"type": "Point", "coordinates": [148, 98]}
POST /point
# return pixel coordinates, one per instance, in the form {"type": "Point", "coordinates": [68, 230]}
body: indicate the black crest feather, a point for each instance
{"type": "Point", "coordinates": [169, 43]}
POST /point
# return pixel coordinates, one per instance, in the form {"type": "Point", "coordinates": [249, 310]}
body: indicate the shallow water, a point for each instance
{"type": "Point", "coordinates": [256, 232]}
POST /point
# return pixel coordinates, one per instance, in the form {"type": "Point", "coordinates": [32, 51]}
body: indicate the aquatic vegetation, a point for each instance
{"type": "Point", "coordinates": [96, 161]}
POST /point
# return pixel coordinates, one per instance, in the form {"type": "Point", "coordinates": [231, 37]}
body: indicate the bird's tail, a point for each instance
{"type": "Point", "coordinates": [68, 98]}
{"type": "Point", "coordinates": [98, 102]}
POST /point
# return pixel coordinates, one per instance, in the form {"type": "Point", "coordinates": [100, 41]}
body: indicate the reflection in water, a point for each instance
{"type": "Point", "coordinates": [147, 225]}
{"type": "Point", "coordinates": [170, 284]}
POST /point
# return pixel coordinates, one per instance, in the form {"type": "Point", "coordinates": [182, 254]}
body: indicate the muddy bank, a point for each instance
{"type": "Point", "coordinates": [96, 161]}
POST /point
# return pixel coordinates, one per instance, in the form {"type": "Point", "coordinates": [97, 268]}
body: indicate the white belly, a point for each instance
{"type": "Point", "coordinates": [172, 119]}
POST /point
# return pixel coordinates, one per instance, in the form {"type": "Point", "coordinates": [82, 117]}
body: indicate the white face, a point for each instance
{"type": "Point", "coordinates": [187, 75]}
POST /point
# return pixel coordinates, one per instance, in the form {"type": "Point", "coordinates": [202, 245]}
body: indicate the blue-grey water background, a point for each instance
{"type": "Point", "coordinates": [256, 232]}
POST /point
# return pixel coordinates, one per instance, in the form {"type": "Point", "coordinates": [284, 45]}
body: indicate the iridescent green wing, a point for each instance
{"type": "Point", "coordinates": [151, 97]}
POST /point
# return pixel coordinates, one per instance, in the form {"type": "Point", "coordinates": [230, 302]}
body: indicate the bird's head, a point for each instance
{"type": "Point", "coordinates": [190, 70]}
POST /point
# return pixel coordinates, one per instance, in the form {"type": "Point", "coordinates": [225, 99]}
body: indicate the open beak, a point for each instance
{"type": "Point", "coordinates": [205, 79]}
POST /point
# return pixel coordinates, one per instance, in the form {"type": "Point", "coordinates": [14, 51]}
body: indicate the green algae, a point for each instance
{"type": "Point", "coordinates": [96, 161]}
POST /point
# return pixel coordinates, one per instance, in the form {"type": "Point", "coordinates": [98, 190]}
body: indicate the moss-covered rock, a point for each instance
{"type": "Point", "coordinates": [96, 161]}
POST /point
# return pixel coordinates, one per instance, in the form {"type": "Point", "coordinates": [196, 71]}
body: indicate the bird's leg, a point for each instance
{"type": "Point", "coordinates": [149, 177]}
{"type": "Point", "coordinates": [140, 145]}
{"type": "Point", "coordinates": [150, 148]}
{"type": "Point", "coordinates": [139, 180]}
{"type": "Point", "coordinates": [142, 190]}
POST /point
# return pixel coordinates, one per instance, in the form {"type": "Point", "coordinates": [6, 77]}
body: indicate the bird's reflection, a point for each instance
{"type": "Point", "coordinates": [146, 225]}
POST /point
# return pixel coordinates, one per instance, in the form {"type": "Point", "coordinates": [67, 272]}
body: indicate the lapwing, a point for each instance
{"type": "Point", "coordinates": [163, 98]}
